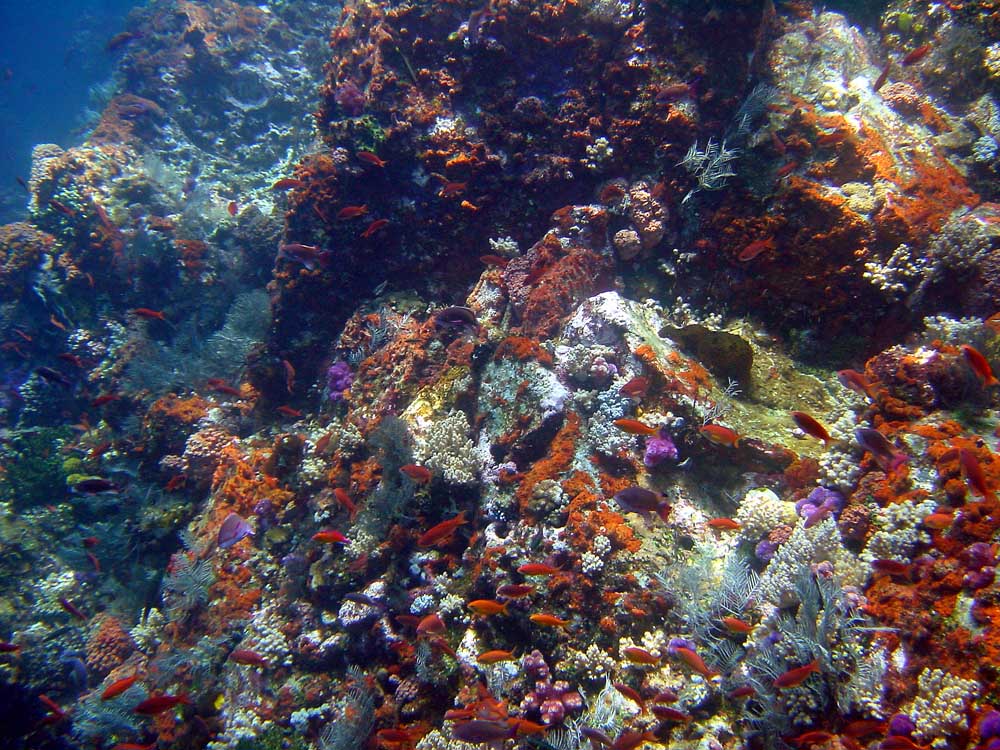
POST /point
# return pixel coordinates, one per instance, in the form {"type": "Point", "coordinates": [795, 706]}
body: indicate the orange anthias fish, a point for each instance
{"type": "Point", "coordinates": [728, 524]}
{"type": "Point", "coordinates": [811, 426]}
{"type": "Point", "coordinates": [538, 569]}
{"type": "Point", "coordinates": [736, 625]}
{"type": "Point", "coordinates": [374, 227]}
{"type": "Point", "coordinates": [856, 381]}
{"type": "Point", "coordinates": [286, 183]}
{"type": "Point", "coordinates": [330, 536]}
{"type": "Point", "coordinates": [798, 675]}
{"type": "Point", "coordinates": [980, 365]}
{"type": "Point", "coordinates": [632, 694]}
{"type": "Point", "coordinates": [431, 625]}
{"type": "Point", "coordinates": [550, 621]}
{"type": "Point", "coordinates": [345, 500]}
{"type": "Point", "coordinates": [515, 590]}
{"type": "Point", "coordinates": [148, 314]}
{"type": "Point", "coordinates": [118, 687]}
{"type": "Point", "coordinates": [232, 208]}
{"type": "Point", "coordinates": [694, 661]}
{"type": "Point", "coordinates": [419, 474]}
{"type": "Point", "coordinates": [369, 158]}
{"type": "Point", "coordinates": [754, 249]}
{"type": "Point", "coordinates": [441, 531]}
{"type": "Point", "coordinates": [493, 657]}
{"type": "Point", "coordinates": [915, 56]}
{"type": "Point", "coordinates": [972, 470]}
{"type": "Point", "coordinates": [488, 607]}
{"type": "Point", "coordinates": [720, 435]}
{"type": "Point", "coordinates": [288, 411]}
{"type": "Point", "coordinates": [351, 212]}
{"type": "Point", "coordinates": [638, 655]}
{"type": "Point", "coordinates": [637, 387]}
{"type": "Point", "coordinates": [247, 657]}
{"type": "Point", "coordinates": [157, 704]}
{"type": "Point", "coordinates": [635, 427]}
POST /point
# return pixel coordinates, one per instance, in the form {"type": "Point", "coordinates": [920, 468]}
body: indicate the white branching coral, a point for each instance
{"type": "Point", "coordinates": [448, 452]}
{"type": "Point", "coordinates": [804, 548]}
{"type": "Point", "coordinates": [897, 531]}
{"type": "Point", "coordinates": [940, 704]}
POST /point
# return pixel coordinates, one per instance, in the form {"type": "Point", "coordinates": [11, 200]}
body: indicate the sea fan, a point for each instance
{"type": "Point", "coordinates": [94, 719]}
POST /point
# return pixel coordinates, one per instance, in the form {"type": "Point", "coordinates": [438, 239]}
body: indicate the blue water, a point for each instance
{"type": "Point", "coordinates": [51, 57]}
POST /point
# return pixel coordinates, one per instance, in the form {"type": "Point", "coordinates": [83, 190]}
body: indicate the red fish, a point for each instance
{"type": "Point", "coordinates": [493, 657]}
{"type": "Point", "coordinates": [938, 521]}
{"type": "Point", "coordinates": [720, 435]}
{"type": "Point", "coordinates": [289, 375]}
{"type": "Point", "coordinates": [979, 365]}
{"type": "Point", "coordinates": [441, 531]}
{"type": "Point", "coordinates": [915, 56]}
{"type": "Point", "coordinates": [515, 590]}
{"type": "Point", "coordinates": [419, 474]}
{"type": "Point", "coordinates": [635, 427]}
{"type": "Point", "coordinates": [694, 661]}
{"type": "Point", "coordinates": [550, 621]}
{"type": "Point", "coordinates": [728, 524]}
{"type": "Point", "coordinates": [814, 737]}
{"type": "Point", "coordinates": [744, 691]}
{"type": "Point", "coordinates": [232, 208]}
{"type": "Point", "coordinates": [175, 483]}
{"type": "Point", "coordinates": [8, 648]}
{"type": "Point", "coordinates": [887, 457]}
{"type": "Point", "coordinates": [351, 212]}
{"type": "Point", "coordinates": [157, 704]}
{"type": "Point", "coordinates": [882, 77]}
{"type": "Point", "coordinates": [431, 625]}
{"type": "Point", "coordinates": [71, 359]}
{"type": "Point", "coordinates": [309, 256]}
{"type": "Point", "coordinates": [345, 500]}
{"type": "Point", "coordinates": [488, 607]}
{"type": "Point", "coordinates": [148, 314]}
{"type": "Point", "coordinates": [72, 608]}
{"type": "Point", "coordinates": [247, 657]}
{"type": "Point", "coordinates": [755, 248]}
{"type": "Point", "coordinates": [855, 381]}
{"type": "Point", "coordinates": [629, 740]}
{"type": "Point", "coordinates": [94, 561]}
{"type": "Point", "coordinates": [330, 536]}
{"type": "Point", "coordinates": [104, 398]}
{"type": "Point", "coordinates": [118, 687]}
{"type": "Point", "coordinates": [638, 655]}
{"type": "Point", "coordinates": [642, 501]}
{"type": "Point", "coordinates": [637, 387]}
{"type": "Point", "coordinates": [974, 476]}
{"type": "Point", "coordinates": [374, 227]}
{"type": "Point", "coordinates": [736, 625]}
{"type": "Point", "coordinates": [286, 183]}
{"type": "Point", "coordinates": [632, 694]}
{"type": "Point", "coordinates": [369, 158]}
{"type": "Point", "coordinates": [494, 260]}
{"type": "Point", "coordinates": [90, 541]}
{"type": "Point", "coordinates": [62, 208]}
{"type": "Point", "coordinates": [811, 426]}
{"type": "Point", "coordinates": [538, 569]}
{"type": "Point", "coordinates": [798, 675]}
{"type": "Point", "coordinates": [289, 411]}
{"type": "Point", "coordinates": [666, 713]}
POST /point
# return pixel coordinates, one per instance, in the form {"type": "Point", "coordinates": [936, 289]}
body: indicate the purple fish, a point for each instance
{"type": "Point", "coordinates": [873, 441]}
{"type": "Point", "coordinates": [642, 501]}
{"type": "Point", "coordinates": [232, 530]}
{"type": "Point", "coordinates": [482, 730]}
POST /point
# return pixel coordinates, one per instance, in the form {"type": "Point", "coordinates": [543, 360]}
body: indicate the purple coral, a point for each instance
{"type": "Point", "coordinates": [820, 503]}
{"type": "Point", "coordinates": [339, 377]}
{"type": "Point", "coordinates": [659, 448]}
{"type": "Point", "coordinates": [350, 98]}
{"type": "Point", "coordinates": [552, 700]}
